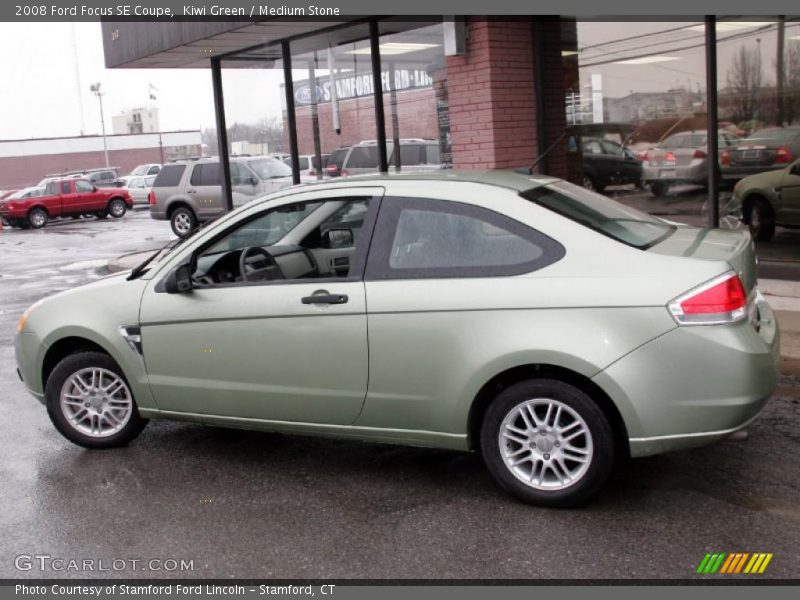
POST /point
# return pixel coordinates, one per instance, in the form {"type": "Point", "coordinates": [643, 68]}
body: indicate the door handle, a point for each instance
{"type": "Point", "coordinates": [325, 299]}
{"type": "Point", "coordinates": [191, 191]}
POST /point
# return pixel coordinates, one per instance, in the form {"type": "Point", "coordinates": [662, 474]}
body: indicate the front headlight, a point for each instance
{"type": "Point", "coordinates": [24, 318]}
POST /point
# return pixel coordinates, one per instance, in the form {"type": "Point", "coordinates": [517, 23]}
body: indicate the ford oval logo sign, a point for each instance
{"type": "Point", "coordinates": [302, 95]}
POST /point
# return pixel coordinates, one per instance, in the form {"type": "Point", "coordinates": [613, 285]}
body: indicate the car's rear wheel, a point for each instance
{"type": "Point", "coordinates": [183, 221]}
{"type": "Point", "coordinates": [117, 208]}
{"type": "Point", "coordinates": [547, 443]}
{"type": "Point", "coordinates": [761, 220]}
{"type": "Point", "coordinates": [90, 403]}
{"type": "Point", "coordinates": [37, 218]}
{"type": "Point", "coordinates": [659, 188]}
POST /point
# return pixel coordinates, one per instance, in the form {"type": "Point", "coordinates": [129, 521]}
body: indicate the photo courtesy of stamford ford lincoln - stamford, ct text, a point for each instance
{"type": "Point", "coordinates": [447, 299]}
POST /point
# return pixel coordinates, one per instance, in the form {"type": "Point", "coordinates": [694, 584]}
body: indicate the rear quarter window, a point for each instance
{"type": "Point", "coordinates": [169, 176]}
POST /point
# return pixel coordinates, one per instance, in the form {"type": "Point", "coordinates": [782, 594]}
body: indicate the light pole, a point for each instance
{"type": "Point", "coordinates": [95, 88]}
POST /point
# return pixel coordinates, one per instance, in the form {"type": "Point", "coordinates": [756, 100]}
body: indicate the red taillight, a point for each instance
{"type": "Point", "coordinates": [721, 300]}
{"type": "Point", "coordinates": [332, 168]}
{"type": "Point", "coordinates": [312, 173]}
{"type": "Point", "coordinates": [725, 158]}
{"type": "Point", "coordinates": [151, 197]}
{"type": "Point", "coordinates": [344, 173]}
{"type": "Point", "coordinates": [669, 156]}
{"type": "Point", "coordinates": [783, 156]}
{"type": "Point", "coordinates": [699, 154]}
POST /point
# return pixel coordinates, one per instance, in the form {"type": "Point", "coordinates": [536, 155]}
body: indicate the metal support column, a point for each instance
{"type": "Point", "coordinates": [713, 121]}
{"type": "Point", "coordinates": [380, 122]}
{"type": "Point", "coordinates": [291, 119]}
{"type": "Point", "coordinates": [537, 31]}
{"type": "Point", "coordinates": [222, 133]}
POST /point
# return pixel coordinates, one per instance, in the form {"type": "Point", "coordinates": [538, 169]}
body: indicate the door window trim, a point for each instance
{"type": "Point", "coordinates": [382, 240]}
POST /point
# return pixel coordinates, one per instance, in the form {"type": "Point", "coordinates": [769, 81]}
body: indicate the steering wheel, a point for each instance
{"type": "Point", "coordinates": [272, 270]}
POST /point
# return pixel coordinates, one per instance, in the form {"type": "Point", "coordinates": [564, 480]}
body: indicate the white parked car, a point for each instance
{"type": "Point", "coordinates": [139, 188]}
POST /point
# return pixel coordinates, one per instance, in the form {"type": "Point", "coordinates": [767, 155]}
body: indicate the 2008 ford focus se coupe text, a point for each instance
{"type": "Point", "coordinates": [546, 326]}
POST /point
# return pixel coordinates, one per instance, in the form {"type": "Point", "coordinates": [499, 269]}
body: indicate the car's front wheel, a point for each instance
{"type": "Point", "coordinates": [38, 218]}
{"type": "Point", "coordinates": [90, 403]}
{"type": "Point", "coordinates": [117, 208]}
{"type": "Point", "coordinates": [659, 188]}
{"type": "Point", "coordinates": [548, 443]}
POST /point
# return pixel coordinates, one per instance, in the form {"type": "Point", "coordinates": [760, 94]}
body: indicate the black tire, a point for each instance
{"type": "Point", "coordinates": [117, 208]}
{"type": "Point", "coordinates": [659, 189]}
{"type": "Point", "coordinates": [101, 214]}
{"type": "Point", "coordinates": [761, 220]}
{"type": "Point", "coordinates": [183, 221]}
{"type": "Point", "coordinates": [62, 372]}
{"type": "Point", "coordinates": [589, 481]}
{"type": "Point", "coordinates": [640, 184]}
{"type": "Point", "coordinates": [76, 217]}
{"type": "Point", "coordinates": [38, 217]}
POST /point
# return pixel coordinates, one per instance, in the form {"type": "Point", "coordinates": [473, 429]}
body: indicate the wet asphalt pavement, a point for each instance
{"type": "Point", "coordinates": [245, 504]}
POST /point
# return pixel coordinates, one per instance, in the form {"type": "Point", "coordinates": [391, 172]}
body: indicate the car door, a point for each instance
{"type": "Point", "coordinates": [136, 190]}
{"type": "Point", "coordinates": [204, 188]}
{"type": "Point", "coordinates": [282, 350]}
{"type": "Point", "coordinates": [87, 197]}
{"type": "Point", "coordinates": [71, 203]}
{"type": "Point", "coordinates": [790, 195]}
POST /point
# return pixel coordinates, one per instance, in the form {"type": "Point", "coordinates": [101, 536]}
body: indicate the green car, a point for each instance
{"type": "Point", "coordinates": [548, 327]}
{"type": "Point", "coordinates": [767, 199]}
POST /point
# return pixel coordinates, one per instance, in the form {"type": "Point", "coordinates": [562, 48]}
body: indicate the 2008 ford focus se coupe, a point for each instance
{"type": "Point", "coordinates": [546, 326]}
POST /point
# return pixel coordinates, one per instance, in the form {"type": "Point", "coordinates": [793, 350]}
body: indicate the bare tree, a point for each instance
{"type": "Point", "coordinates": [744, 80]}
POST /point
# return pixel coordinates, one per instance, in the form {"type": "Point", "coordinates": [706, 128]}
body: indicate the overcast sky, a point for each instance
{"type": "Point", "coordinates": [42, 98]}
{"type": "Point", "coordinates": [46, 95]}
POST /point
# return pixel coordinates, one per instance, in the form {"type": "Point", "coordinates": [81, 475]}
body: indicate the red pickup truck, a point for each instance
{"type": "Point", "coordinates": [65, 198]}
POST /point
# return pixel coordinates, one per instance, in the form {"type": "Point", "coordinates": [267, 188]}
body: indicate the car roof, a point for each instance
{"type": "Point", "coordinates": [512, 180]}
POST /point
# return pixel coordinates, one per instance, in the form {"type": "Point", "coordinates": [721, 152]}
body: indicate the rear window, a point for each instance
{"type": "Point", "coordinates": [337, 157]}
{"type": "Point", "coordinates": [363, 157]}
{"type": "Point", "coordinates": [772, 135]}
{"type": "Point", "coordinates": [684, 141]}
{"type": "Point", "coordinates": [610, 218]}
{"type": "Point", "coordinates": [169, 176]}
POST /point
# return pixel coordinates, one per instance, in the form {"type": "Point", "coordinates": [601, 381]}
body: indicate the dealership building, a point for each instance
{"type": "Point", "coordinates": [492, 92]}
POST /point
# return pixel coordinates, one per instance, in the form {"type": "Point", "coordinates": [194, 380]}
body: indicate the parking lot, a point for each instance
{"type": "Point", "coordinates": [246, 504]}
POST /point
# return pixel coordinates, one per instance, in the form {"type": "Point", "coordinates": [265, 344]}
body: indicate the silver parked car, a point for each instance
{"type": "Point", "coordinates": [139, 188]}
{"type": "Point", "coordinates": [681, 158]}
{"type": "Point", "coordinates": [548, 326]}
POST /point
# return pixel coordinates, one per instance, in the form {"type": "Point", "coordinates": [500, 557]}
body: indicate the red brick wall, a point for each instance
{"type": "Point", "coordinates": [491, 93]}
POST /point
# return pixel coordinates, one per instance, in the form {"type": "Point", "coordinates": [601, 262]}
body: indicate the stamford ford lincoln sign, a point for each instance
{"type": "Point", "coordinates": [358, 85]}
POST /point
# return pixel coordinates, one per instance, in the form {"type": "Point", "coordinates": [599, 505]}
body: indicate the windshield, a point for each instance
{"type": "Point", "coordinates": [140, 170]}
{"type": "Point", "coordinates": [21, 194]}
{"type": "Point", "coordinates": [612, 219]}
{"type": "Point", "coordinates": [269, 168]}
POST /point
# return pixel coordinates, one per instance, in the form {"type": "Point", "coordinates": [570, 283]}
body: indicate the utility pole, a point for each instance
{"type": "Point", "coordinates": [95, 88]}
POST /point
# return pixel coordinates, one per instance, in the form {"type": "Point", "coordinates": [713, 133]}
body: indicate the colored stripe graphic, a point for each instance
{"type": "Point", "coordinates": [734, 562]}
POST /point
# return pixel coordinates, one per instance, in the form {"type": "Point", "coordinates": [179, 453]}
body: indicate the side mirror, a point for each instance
{"type": "Point", "coordinates": [253, 181]}
{"type": "Point", "coordinates": [795, 169]}
{"type": "Point", "coordinates": [334, 239]}
{"type": "Point", "coordinates": [179, 280]}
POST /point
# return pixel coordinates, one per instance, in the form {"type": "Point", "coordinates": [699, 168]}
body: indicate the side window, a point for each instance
{"type": "Point", "coordinates": [153, 170]}
{"type": "Point", "coordinates": [197, 175]}
{"type": "Point", "coordinates": [307, 240]}
{"type": "Point", "coordinates": [592, 147]}
{"type": "Point", "coordinates": [83, 187]}
{"type": "Point", "coordinates": [421, 238]}
{"type": "Point", "coordinates": [65, 187]}
{"type": "Point", "coordinates": [432, 154]}
{"type": "Point", "coordinates": [50, 188]}
{"type": "Point", "coordinates": [612, 148]}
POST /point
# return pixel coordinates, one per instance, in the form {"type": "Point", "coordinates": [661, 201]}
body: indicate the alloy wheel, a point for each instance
{"type": "Point", "coordinates": [183, 224]}
{"type": "Point", "coordinates": [545, 444]}
{"type": "Point", "coordinates": [96, 402]}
